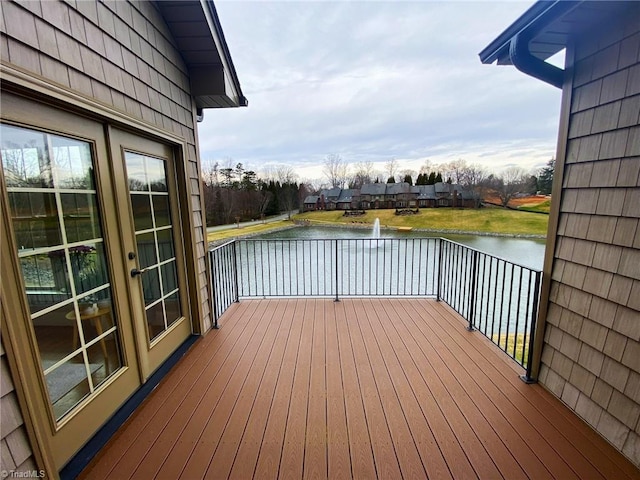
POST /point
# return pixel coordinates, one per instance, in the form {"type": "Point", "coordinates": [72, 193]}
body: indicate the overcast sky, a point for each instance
{"type": "Point", "coordinates": [372, 81]}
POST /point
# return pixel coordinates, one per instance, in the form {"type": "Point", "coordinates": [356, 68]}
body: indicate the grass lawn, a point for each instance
{"type": "Point", "coordinates": [507, 342]}
{"type": "Point", "coordinates": [536, 207]}
{"type": "Point", "coordinates": [486, 220]}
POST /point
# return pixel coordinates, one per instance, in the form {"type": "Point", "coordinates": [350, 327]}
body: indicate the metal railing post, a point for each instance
{"type": "Point", "coordinates": [235, 272]}
{"type": "Point", "coordinates": [337, 269]}
{"type": "Point", "coordinates": [213, 291]}
{"type": "Point", "coordinates": [438, 295]}
{"type": "Point", "coordinates": [526, 378]}
{"type": "Point", "coordinates": [472, 296]}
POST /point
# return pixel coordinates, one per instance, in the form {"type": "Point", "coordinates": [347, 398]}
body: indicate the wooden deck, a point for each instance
{"type": "Point", "coordinates": [363, 388]}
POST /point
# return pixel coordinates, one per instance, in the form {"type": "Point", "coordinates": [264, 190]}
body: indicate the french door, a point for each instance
{"type": "Point", "coordinates": [92, 263]}
{"type": "Point", "coordinates": [154, 245]}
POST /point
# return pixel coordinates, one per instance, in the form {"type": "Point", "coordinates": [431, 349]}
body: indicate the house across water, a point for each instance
{"type": "Point", "coordinates": [392, 195]}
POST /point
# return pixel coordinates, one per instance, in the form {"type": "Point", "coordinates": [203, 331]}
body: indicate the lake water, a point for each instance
{"type": "Point", "coordinates": [524, 251]}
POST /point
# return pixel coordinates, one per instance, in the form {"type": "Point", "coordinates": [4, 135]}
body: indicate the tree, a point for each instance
{"type": "Point", "coordinates": [474, 179]}
{"type": "Point", "coordinates": [545, 176]}
{"type": "Point", "coordinates": [336, 170]}
{"type": "Point", "coordinates": [455, 170]}
{"type": "Point", "coordinates": [391, 180]}
{"type": "Point", "coordinates": [391, 169]}
{"type": "Point", "coordinates": [363, 173]}
{"type": "Point", "coordinates": [407, 176]}
{"type": "Point", "coordinates": [512, 181]}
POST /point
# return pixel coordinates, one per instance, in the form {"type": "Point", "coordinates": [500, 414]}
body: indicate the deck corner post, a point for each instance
{"type": "Point", "coordinates": [235, 272]}
{"type": "Point", "coordinates": [527, 377]}
{"type": "Point", "coordinates": [439, 269]}
{"type": "Point", "coordinates": [335, 242]}
{"type": "Point", "coordinates": [472, 296]}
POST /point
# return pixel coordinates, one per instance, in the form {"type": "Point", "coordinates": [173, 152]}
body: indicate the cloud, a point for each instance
{"type": "Point", "coordinates": [376, 80]}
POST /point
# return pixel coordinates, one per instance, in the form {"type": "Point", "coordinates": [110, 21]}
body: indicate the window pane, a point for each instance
{"type": "Point", "coordinates": [81, 218]}
{"type": "Point", "coordinates": [169, 277]}
{"type": "Point", "coordinates": [157, 175]}
{"type": "Point", "coordinates": [72, 163]}
{"type": "Point", "coordinates": [141, 207]}
{"type": "Point", "coordinates": [155, 320]}
{"type": "Point", "coordinates": [161, 210]}
{"type": "Point", "coordinates": [56, 334]}
{"type": "Point", "coordinates": [24, 158]}
{"type": "Point", "coordinates": [35, 219]}
{"type": "Point", "coordinates": [136, 173]}
{"type": "Point", "coordinates": [89, 268]}
{"type": "Point", "coordinates": [151, 286]}
{"type": "Point", "coordinates": [165, 244]}
{"type": "Point", "coordinates": [68, 385]}
{"type": "Point", "coordinates": [46, 280]}
{"type": "Point", "coordinates": [172, 306]}
{"type": "Point", "coordinates": [105, 355]}
{"type": "Point", "coordinates": [146, 249]}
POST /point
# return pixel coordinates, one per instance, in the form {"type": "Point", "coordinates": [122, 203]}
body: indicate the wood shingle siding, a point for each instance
{"type": "Point", "coordinates": [15, 446]}
{"type": "Point", "coordinates": [592, 350]}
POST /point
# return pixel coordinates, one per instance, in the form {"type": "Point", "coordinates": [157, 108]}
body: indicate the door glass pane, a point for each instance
{"type": "Point", "coordinates": [57, 226]}
{"type": "Point", "coordinates": [82, 221]}
{"type": "Point", "coordinates": [151, 208]}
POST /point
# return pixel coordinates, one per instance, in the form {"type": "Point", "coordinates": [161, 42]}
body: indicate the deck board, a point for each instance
{"type": "Point", "coordinates": [362, 388]}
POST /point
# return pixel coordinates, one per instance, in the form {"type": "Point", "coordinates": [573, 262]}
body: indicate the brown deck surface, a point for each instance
{"type": "Point", "coordinates": [363, 388]}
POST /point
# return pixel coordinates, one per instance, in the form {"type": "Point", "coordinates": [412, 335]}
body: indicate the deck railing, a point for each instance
{"type": "Point", "coordinates": [497, 297]}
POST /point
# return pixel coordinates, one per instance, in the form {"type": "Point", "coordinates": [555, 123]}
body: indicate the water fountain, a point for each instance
{"type": "Point", "coordinates": [376, 229]}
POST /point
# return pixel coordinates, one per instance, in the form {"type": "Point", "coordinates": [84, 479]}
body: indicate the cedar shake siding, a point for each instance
{"type": "Point", "coordinates": [587, 348]}
{"type": "Point", "coordinates": [15, 445]}
{"type": "Point", "coordinates": [591, 356]}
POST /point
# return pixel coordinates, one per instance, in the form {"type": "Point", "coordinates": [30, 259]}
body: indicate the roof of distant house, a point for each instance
{"type": "Point", "coordinates": [348, 195]}
{"type": "Point", "coordinates": [373, 189]}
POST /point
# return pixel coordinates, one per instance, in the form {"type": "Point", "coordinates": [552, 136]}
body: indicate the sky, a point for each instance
{"type": "Point", "coordinates": [374, 81]}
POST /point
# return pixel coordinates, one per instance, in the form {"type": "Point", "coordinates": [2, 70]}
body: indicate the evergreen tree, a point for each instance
{"type": "Point", "coordinates": [545, 177]}
{"type": "Point", "coordinates": [391, 180]}
{"type": "Point", "coordinates": [408, 179]}
{"type": "Point", "coordinates": [439, 178]}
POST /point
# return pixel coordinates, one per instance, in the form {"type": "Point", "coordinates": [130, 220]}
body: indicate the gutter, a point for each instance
{"type": "Point", "coordinates": [512, 45]}
{"type": "Point", "coordinates": [523, 60]}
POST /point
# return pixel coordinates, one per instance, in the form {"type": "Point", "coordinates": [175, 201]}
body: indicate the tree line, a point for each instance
{"type": "Point", "coordinates": [506, 185]}
{"type": "Point", "coordinates": [235, 194]}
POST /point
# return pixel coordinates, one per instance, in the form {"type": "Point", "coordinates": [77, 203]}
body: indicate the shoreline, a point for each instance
{"type": "Point", "coordinates": [366, 226]}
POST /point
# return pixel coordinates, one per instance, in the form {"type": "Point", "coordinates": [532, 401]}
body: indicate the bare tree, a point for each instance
{"type": "Point", "coordinates": [289, 188]}
{"type": "Point", "coordinates": [336, 170]}
{"type": "Point", "coordinates": [210, 174]}
{"type": "Point", "coordinates": [455, 170]}
{"type": "Point", "coordinates": [391, 168]}
{"type": "Point", "coordinates": [426, 167]}
{"type": "Point", "coordinates": [512, 181]}
{"type": "Point", "coordinates": [363, 173]}
{"type": "Point", "coordinates": [474, 179]}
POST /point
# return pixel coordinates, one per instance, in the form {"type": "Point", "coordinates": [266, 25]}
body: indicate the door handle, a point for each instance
{"type": "Point", "coordinates": [135, 272]}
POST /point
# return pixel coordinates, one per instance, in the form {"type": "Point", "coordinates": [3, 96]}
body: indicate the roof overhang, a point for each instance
{"type": "Point", "coordinates": [544, 30]}
{"type": "Point", "coordinates": [196, 29]}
